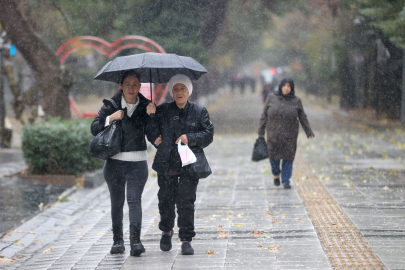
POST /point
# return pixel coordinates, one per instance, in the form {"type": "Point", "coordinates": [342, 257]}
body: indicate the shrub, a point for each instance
{"type": "Point", "coordinates": [59, 147]}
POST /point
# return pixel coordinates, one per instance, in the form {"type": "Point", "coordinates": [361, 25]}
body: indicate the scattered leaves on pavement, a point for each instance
{"type": "Point", "coordinates": [6, 260]}
{"type": "Point", "coordinates": [222, 233]}
{"type": "Point", "coordinates": [276, 221]}
{"type": "Point", "coordinates": [18, 243]}
{"type": "Point", "coordinates": [259, 246]}
{"type": "Point", "coordinates": [220, 226]}
{"type": "Point", "coordinates": [210, 252]}
{"type": "Point", "coordinates": [47, 250]}
{"type": "Point", "coordinates": [274, 247]}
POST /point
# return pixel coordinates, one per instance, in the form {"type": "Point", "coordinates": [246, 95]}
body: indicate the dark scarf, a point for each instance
{"type": "Point", "coordinates": [291, 95]}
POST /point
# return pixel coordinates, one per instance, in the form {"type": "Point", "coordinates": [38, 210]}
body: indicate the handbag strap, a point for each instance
{"type": "Point", "coordinates": [114, 104]}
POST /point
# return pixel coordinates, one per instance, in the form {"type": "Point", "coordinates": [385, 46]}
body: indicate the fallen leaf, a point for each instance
{"type": "Point", "coordinates": [153, 223]}
{"type": "Point", "coordinates": [157, 212]}
{"type": "Point", "coordinates": [268, 212]}
{"type": "Point", "coordinates": [79, 234]}
{"type": "Point", "coordinates": [9, 234]}
{"type": "Point", "coordinates": [386, 188]}
{"type": "Point", "coordinates": [283, 215]}
{"type": "Point", "coordinates": [265, 235]}
{"type": "Point", "coordinates": [6, 260]}
{"type": "Point", "coordinates": [31, 232]}
{"type": "Point", "coordinates": [257, 232]}
{"type": "Point", "coordinates": [19, 231]}
{"type": "Point", "coordinates": [222, 233]}
{"type": "Point", "coordinates": [207, 219]}
{"type": "Point", "coordinates": [210, 252]}
{"type": "Point", "coordinates": [240, 214]}
{"type": "Point", "coordinates": [298, 218]}
{"type": "Point", "coordinates": [47, 250]}
{"type": "Point", "coordinates": [274, 248]}
{"type": "Point", "coordinates": [100, 233]}
{"type": "Point", "coordinates": [220, 226]}
{"type": "Point", "coordinates": [18, 243]}
{"type": "Point", "coordinates": [237, 224]}
{"type": "Point", "coordinates": [198, 216]}
{"type": "Point", "coordinates": [276, 221]}
{"type": "Point", "coordinates": [55, 232]}
{"type": "Point", "coordinates": [201, 228]}
{"type": "Point", "coordinates": [225, 219]}
{"type": "Point", "coordinates": [259, 246]}
{"type": "Point", "coordinates": [229, 213]}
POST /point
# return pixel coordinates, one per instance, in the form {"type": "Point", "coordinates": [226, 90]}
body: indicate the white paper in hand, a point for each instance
{"type": "Point", "coordinates": [187, 156]}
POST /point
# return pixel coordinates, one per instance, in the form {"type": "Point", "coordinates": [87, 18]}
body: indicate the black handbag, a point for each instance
{"type": "Point", "coordinates": [260, 150]}
{"type": "Point", "coordinates": [108, 142]}
{"type": "Point", "coordinates": [200, 169]}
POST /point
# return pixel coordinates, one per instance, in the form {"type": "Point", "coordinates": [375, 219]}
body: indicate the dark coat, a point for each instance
{"type": "Point", "coordinates": [280, 118]}
{"type": "Point", "coordinates": [133, 128]}
{"type": "Point", "coordinates": [197, 126]}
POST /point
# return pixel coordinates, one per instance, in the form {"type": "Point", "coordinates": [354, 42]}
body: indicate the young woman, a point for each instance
{"type": "Point", "coordinates": [128, 167]}
{"type": "Point", "coordinates": [281, 114]}
{"type": "Point", "coordinates": [189, 123]}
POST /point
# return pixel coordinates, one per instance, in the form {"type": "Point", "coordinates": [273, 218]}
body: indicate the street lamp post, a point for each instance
{"type": "Point", "coordinates": [2, 106]}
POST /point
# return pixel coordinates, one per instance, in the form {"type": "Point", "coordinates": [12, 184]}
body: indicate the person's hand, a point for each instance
{"type": "Point", "coordinates": [158, 141]}
{"type": "Point", "coordinates": [118, 115]}
{"type": "Point", "coordinates": [151, 108]}
{"type": "Point", "coordinates": [311, 137]}
{"type": "Point", "coordinates": [183, 138]}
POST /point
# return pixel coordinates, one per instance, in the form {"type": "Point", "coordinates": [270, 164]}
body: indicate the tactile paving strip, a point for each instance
{"type": "Point", "coordinates": [342, 242]}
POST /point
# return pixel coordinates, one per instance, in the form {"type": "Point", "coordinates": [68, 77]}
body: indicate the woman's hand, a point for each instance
{"type": "Point", "coordinates": [158, 141]}
{"type": "Point", "coordinates": [183, 138]}
{"type": "Point", "coordinates": [151, 108]}
{"type": "Point", "coordinates": [311, 137]}
{"type": "Point", "coordinates": [118, 115]}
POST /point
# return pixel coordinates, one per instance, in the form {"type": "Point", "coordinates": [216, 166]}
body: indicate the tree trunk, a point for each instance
{"type": "Point", "coordinates": [54, 81]}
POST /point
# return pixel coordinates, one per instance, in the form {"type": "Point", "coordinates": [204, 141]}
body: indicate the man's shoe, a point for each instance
{"type": "Point", "coordinates": [118, 246]}
{"type": "Point", "coordinates": [277, 181]}
{"type": "Point", "coordinates": [166, 241]}
{"type": "Point", "coordinates": [135, 239]}
{"type": "Point", "coordinates": [187, 249]}
{"type": "Point", "coordinates": [287, 186]}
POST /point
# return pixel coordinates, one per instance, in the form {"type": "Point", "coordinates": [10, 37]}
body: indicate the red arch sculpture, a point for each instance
{"type": "Point", "coordinates": [110, 50]}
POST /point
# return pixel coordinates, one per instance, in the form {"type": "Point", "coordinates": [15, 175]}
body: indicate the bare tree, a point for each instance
{"type": "Point", "coordinates": [53, 80]}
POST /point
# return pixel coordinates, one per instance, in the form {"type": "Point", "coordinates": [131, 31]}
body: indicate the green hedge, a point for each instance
{"type": "Point", "coordinates": [59, 147]}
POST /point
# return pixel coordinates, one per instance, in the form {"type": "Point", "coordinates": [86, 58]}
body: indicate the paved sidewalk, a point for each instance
{"type": "Point", "coordinates": [242, 220]}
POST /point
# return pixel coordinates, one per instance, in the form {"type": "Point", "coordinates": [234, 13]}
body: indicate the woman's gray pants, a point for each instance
{"type": "Point", "coordinates": [135, 175]}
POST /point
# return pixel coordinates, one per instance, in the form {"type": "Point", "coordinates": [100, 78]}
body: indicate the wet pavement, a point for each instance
{"type": "Point", "coordinates": [20, 199]}
{"type": "Point", "coordinates": [242, 220]}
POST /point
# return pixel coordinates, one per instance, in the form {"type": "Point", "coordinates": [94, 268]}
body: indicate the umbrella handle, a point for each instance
{"type": "Point", "coordinates": [152, 115]}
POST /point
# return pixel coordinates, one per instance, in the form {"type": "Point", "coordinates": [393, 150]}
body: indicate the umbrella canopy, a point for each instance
{"type": "Point", "coordinates": [151, 67]}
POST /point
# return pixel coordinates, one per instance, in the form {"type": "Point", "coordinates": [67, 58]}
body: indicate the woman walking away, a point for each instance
{"type": "Point", "coordinates": [129, 166]}
{"type": "Point", "coordinates": [189, 123]}
{"type": "Point", "coordinates": [280, 117]}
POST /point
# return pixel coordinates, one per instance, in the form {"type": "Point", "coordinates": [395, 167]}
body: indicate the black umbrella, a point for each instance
{"type": "Point", "coordinates": [151, 67]}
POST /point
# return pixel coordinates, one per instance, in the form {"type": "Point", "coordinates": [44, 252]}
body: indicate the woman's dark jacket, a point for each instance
{"type": "Point", "coordinates": [196, 125]}
{"type": "Point", "coordinates": [133, 128]}
{"type": "Point", "coordinates": [280, 118]}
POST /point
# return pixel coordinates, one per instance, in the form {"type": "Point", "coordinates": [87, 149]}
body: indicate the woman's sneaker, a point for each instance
{"type": "Point", "coordinates": [186, 248]}
{"type": "Point", "coordinates": [166, 241]}
{"type": "Point", "coordinates": [277, 181]}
